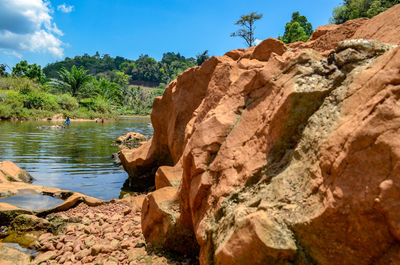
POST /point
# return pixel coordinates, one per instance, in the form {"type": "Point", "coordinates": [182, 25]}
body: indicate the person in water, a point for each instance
{"type": "Point", "coordinates": [102, 120]}
{"type": "Point", "coordinates": [67, 121]}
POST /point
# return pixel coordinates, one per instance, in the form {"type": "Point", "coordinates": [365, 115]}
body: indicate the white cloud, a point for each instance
{"type": "Point", "coordinates": [257, 41]}
{"type": "Point", "coordinates": [65, 9]}
{"type": "Point", "coordinates": [13, 53]}
{"type": "Point", "coordinates": [27, 25]}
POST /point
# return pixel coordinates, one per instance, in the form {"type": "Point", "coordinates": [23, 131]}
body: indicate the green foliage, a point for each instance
{"type": "Point", "coordinates": [93, 64]}
{"type": "Point", "coordinates": [68, 102]}
{"type": "Point", "coordinates": [202, 57]}
{"type": "Point", "coordinates": [72, 81]}
{"type": "Point", "coordinates": [3, 72]}
{"type": "Point", "coordinates": [298, 29]}
{"type": "Point", "coordinates": [11, 105]}
{"type": "Point", "coordinates": [139, 100]}
{"type": "Point", "coordinates": [17, 83]}
{"type": "Point", "coordinates": [32, 71]}
{"type": "Point", "coordinates": [40, 100]}
{"type": "Point", "coordinates": [109, 90]}
{"type": "Point", "coordinates": [22, 98]}
{"type": "Point", "coordinates": [246, 22]}
{"type": "Point", "coordinates": [98, 104]}
{"type": "Point", "coordinates": [143, 71]}
{"type": "Point", "coordinates": [352, 9]}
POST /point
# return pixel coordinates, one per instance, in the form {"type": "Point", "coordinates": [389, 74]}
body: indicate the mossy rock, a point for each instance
{"type": "Point", "coordinates": [27, 222]}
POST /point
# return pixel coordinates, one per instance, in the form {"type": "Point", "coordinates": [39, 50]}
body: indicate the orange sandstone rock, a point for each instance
{"type": "Point", "coordinates": [168, 176]}
{"type": "Point", "coordinates": [9, 172]}
{"type": "Point", "coordinates": [287, 155]}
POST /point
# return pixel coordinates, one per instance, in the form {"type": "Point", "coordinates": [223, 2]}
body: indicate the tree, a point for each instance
{"type": "Point", "coordinates": [32, 71]}
{"type": "Point", "coordinates": [352, 9]}
{"type": "Point", "coordinates": [72, 81]}
{"type": "Point", "coordinates": [298, 29]}
{"type": "Point", "coordinates": [202, 57]}
{"type": "Point", "coordinates": [3, 70]}
{"type": "Point", "coordinates": [246, 22]}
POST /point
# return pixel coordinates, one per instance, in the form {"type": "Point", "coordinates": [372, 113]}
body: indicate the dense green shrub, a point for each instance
{"type": "Point", "coordinates": [97, 104]}
{"type": "Point", "coordinates": [68, 102]}
{"type": "Point", "coordinates": [17, 83]}
{"type": "Point", "coordinates": [11, 105]}
{"type": "Point", "coordinates": [40, 100]}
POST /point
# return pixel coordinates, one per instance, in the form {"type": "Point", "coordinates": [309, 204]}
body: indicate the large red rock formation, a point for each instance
{"type": "Point", "coordinates": [287, 155]}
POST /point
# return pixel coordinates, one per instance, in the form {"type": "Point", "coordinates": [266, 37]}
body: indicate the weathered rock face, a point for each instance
{"type": "Point", "coordinates": [287, 154]}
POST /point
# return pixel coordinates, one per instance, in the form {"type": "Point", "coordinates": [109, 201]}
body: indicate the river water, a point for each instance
{"type": "Point", "coordinates": [77, 158]}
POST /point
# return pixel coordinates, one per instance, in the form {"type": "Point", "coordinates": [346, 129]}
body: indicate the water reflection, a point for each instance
{"type": "Point", "coordinates": [77, 158]}
{"type": "Point", "coordinates": [22, 249]}
{"type": "Point", "coordinates": [32, 201]}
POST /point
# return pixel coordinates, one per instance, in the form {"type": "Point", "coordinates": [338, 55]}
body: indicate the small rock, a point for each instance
{"type": "Point", "coordinates": [90, 241]}
{"type": "Point", "coordinates": [82, 254]}
{"type": "Point", "coordinates": [86, 221]}
{"type": "Point", "coordinates": [59, 245]}
{"type": "Point", "coordinates": [45, 237]}
{"type": "Point", "coordinates": [45, 257]}
{"type": "Point", "coordinates": [116, 218]}
{"type": "Point", "coordinates": [48, 246]}
{"type": "Point", "coordinates": [96, 249]}
{"type": "Point", "coordinates": [140, 245]}
{"type": "Point", "coordinates": [127, 210]}
{"type": "Point", "coordinates": [109, 229]}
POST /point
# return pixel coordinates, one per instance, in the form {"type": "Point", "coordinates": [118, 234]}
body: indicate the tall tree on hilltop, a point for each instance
{"type": "Point", "coordinates": [246, 22]}
{"type": "Point", "coordinates": [298, 29]}
{"type": "Point", "coordinates": [202, 57]}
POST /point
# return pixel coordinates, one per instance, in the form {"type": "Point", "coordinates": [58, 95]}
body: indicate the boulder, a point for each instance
{"type": "Point", "coordinates": [27, 222]}
{"type": "Point", "coordinates": [160, 211]}
{"type": "Point", "coordinates": [12, 256]}
{"type": "Point", "coordinates": [9, 172]}
{"type": "Point", "coordinates": [131, 140]}
{"type": "Point", "coordinates": [168, 176]}
{"type": "Point", "coordinates": [263, 51]}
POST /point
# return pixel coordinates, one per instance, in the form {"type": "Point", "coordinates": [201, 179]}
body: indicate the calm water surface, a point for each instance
{"type": "Point", "coordinates": [32, 201]}
{"type": "Point", "coordinates": [77, 158]}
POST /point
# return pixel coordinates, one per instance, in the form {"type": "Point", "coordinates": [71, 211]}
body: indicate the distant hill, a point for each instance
{"type": "Point", "coordinates": [143, 71]}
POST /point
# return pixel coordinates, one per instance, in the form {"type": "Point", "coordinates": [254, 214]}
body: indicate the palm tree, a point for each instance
{"type": "Point", "coordinates": [71, 81]}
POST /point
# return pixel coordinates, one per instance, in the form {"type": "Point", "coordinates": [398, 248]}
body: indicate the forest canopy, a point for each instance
{"type": "Point", "coordinates": [143, 71]}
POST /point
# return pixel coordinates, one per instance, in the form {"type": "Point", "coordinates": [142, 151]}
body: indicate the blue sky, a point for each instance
{"type": "Point", "coordinates": [129, 28]}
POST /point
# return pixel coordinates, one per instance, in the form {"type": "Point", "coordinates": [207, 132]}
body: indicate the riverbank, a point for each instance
{"type": "Point", "coordinates": [61, 118]}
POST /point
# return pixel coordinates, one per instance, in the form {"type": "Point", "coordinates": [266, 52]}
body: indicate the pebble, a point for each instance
{"type": "Point", "coordinates": [106, 234]}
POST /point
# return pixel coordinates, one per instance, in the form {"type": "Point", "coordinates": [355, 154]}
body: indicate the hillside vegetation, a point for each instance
{"type": "Point", "coordinates": [143, 71]}
{"type": "Point", "coordinates": [88, 86]}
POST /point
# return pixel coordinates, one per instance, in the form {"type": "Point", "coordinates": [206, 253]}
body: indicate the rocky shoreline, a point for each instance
{"type": "Point", "coordinates": [80, 230]}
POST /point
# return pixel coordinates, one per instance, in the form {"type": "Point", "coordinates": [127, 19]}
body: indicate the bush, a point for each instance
{"type": "Point", "coordinates": [68, 102]}
{"type": "Point", "coordinates": [17, 83]}
{"type": "Point", "coordinates": [11, 105]}
{"type": "Point", "coordinates": [40, 100]}
{"type": "Point", "coordinates": [97, 104]}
